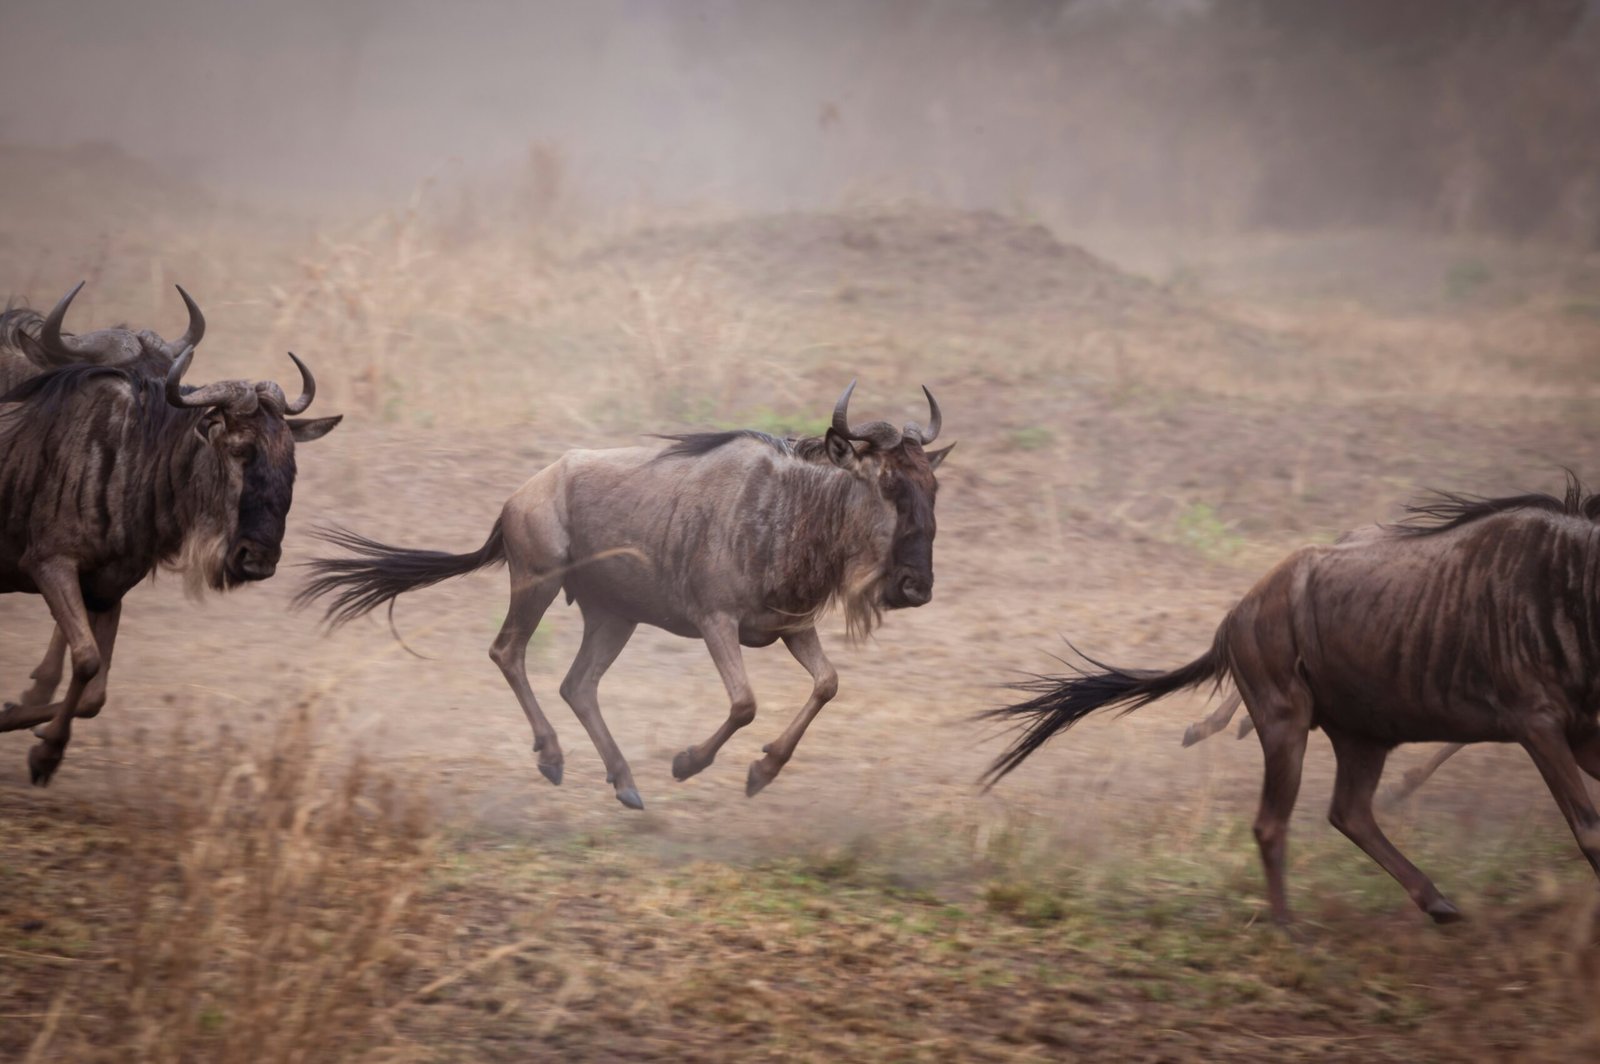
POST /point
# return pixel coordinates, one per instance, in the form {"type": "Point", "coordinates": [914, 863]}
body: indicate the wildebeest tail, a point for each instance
{"type": "Point", "coordinates": [376, 573]}
{"type": "Point", "coordinates": [1059, 702]}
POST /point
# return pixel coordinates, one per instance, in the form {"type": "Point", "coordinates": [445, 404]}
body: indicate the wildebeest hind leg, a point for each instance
{"type": "Point", "coordinates": [57, 580]}
{"type": "Point", "coordinates": [1418, 776]}
{"type": "Point", "coordinates": [1280, 705]}
{"type": "Point", "coordinates": [721, 634]}
{"type": "Point", "coordinates": [510, 652]}
{"type": "Point", "coordinates": [1360, 767]}
{"type": "Point", "coordinates": [1219, 718]}
{"type": "Point", "coordinates": [604, 636]}
{"type": "Point", "coordinates": [807, 650]}
{"type": "Point", "coordinates": [1551, 751]}
{"type": "Point", "coordinates": [47, 676]}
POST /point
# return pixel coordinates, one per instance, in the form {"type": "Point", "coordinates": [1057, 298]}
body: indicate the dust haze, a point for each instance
{"type": "Point", "coordinates": [1200, 113]}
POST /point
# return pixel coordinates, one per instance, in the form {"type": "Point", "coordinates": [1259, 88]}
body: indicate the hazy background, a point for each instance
{"type": "Point", "coordinates": [1460, 115]}
{"type": "Point", "coordinates": [1196, 284]}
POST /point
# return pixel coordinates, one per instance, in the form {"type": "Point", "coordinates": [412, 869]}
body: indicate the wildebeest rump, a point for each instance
{"type": "Point", "coordinates": [1479, 621]}
{"type": "Point", "coordinates": [737, 538]}
{"type": "Point", "coordinates": [110, 466]}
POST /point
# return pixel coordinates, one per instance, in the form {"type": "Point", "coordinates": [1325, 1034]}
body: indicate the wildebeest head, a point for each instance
{"type": "Point", "coordinates": [896, 462]}
{"type": "Point", "coordinates": [250, 428]}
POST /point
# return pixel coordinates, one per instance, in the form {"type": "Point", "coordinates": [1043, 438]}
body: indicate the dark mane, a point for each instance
{"type": "Point", "coordinates": [51, 394]}
{"type": "Point", "coordinates": [1444, 510]}
{"type": "Point", "coordinates": [13, 320]}
{"type": "Point", "coordinates": [695, 444]}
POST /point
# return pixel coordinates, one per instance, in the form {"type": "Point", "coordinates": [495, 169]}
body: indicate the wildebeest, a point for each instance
{"type": "Point", "coordinates": [111, 466]}
{"type": "Point", "coordinates": [1477, 621]}
{"type": "Point", "coordinates": [737, 538]}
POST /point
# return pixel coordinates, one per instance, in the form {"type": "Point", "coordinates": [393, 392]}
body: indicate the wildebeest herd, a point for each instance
{"type": "Point", "coordinates": [1476, 620]}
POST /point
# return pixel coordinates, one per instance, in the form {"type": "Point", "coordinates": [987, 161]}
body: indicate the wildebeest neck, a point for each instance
{"type": "Point", "coordinates": [830, 541]}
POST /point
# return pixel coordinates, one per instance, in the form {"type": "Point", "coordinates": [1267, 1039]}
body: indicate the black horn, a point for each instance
{"type": "Point", "coordinates": [927, 435]}
{"type": "Point", "coordinates": [197, 324]}
{"type": "Point", "coordinates": [878, 433]}
{"type": "Point", "coordinates": [50, 330]}
{"type": "Point", "coordinates": [841, 411]}
{"type": "Point", "coordinates": [308, 388]}
{"type": "Point", "coordinates": [222, 393]}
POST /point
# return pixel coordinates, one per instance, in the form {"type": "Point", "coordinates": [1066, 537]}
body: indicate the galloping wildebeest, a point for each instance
{"type": "Point", "coordinates": [110, 466]}
{"type": "Point", "coordinates": [737, 538]}
{"type": "Point", "coordinates": [1479, 621]}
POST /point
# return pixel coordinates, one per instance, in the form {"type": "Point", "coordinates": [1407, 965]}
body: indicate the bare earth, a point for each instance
{"type": "Point", "coordinates": [1132, 455]}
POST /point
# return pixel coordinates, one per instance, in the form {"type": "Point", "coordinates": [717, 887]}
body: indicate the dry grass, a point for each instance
{"type": "Point", "coordinates": [262, 905]}
{"type": "Point", "coordinates": [239, 901]}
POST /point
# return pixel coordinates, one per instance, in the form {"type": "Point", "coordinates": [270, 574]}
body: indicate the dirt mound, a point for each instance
{"type": "Point", "coordinates": [911, 257]}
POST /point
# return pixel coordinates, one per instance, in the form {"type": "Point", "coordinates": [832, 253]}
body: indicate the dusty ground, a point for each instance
{"type": "Point", "coordinates": [1135, 448]}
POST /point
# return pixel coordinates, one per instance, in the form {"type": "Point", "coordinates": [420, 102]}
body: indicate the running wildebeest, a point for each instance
{"type": "Point", "coordinates": [736, 538]}
{"type": "Point", "coordinates": [1479, 621]}
{"type": "Point", "coordinates": [111, 466]}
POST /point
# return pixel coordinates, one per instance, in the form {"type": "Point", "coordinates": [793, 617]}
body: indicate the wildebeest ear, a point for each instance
{"type": "Point", "coordinates": [840, 452]}
{"type": "Point", "coordinates": [935, 457]}
{"type": "Point", "coordinates": [306, 429]}
{"type": "Point", "coordinates": [208, 427]}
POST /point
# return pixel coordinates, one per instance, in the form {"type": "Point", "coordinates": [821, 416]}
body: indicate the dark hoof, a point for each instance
{"type": "Point", "coordinates": [683, 765]}
{"type": "Point", "coordinates": [43, 760]}
{"type": "Point", "coordinates": [1190, 736]}
{"type": "Point", "coordinates": [758, 777]}
{"type": "Point", "coordinates": [1444, 913]}
{"type": "Point", "coordinates": [630, 798]}
{"type": "Point", "coordinates": [551, 773]}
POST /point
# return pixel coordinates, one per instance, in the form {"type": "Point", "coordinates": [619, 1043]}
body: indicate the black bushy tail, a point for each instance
{"type": "Point", "coordinates": [378, 572]}
{"type": "Point", "coordinates": [1062, 701]}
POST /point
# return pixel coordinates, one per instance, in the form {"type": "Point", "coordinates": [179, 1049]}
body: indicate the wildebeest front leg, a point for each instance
{"type": "Point", "coordinates": [57, 580]}
{"type": "Point", "coordinates": [807, 650]}
{"type": "Point", "coordinates": [1551, 751]}
{"type": "Point", "coordinates": [722, 639]}
{"type": "Point", "coordinates": [1586, 751]}
{"type": "Point", "coordinates": [604, 636]}
{"type": "Point", "coordinates": [1355, 782]}
{"type": "Point", "coordinates": [47, 676]}
{"type": "Point", "coordinates": [104, 626]}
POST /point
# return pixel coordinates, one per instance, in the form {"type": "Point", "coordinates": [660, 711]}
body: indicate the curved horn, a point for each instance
{"type": "Point", "coordinates": [197, 324]}
{"type": "Point", "coordinates": [841, 409]}
{"type": "Point", "coordinates": [50, 329]}
{"type": "Point", "coordinates": [931, 433]}
{"type": "Point", "coordinates": [221, 393]}
{"type": "Point", "coordinates": [308, 388]}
